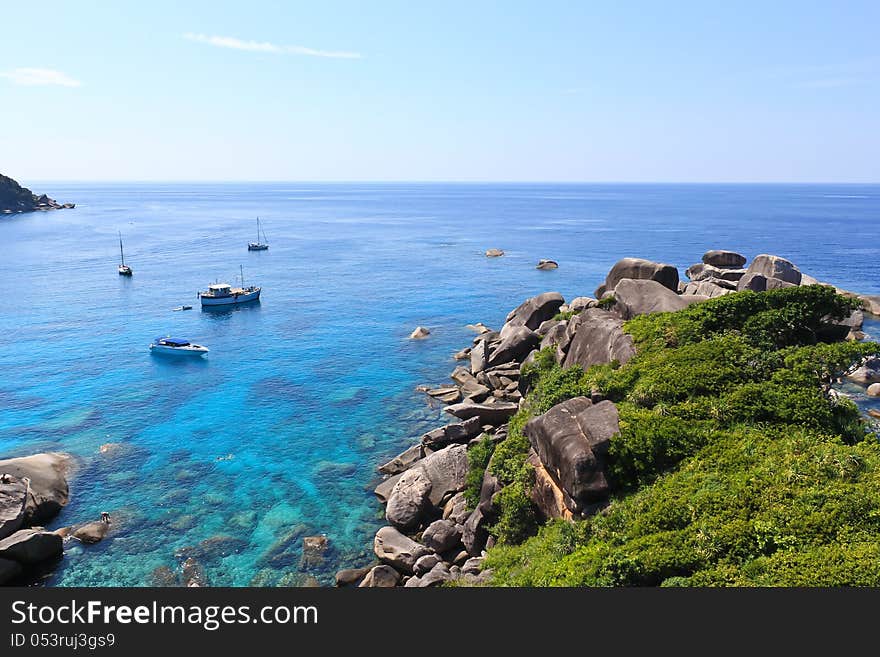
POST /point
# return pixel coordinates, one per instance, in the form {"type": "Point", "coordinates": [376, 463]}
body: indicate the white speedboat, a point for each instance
{"type": "Point", "coordinates": [177, 346]}
{"type": "Point", "coordinates": [223, 294]}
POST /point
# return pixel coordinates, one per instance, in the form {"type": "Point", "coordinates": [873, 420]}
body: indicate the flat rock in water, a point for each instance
{"type": "Point", "coordinates": [494, 253]}
{"type": "Point", "coordinates": [92, 532]}
{"type": "Point", "coordinates": [31, 546]}
{"type": "Point", "coordinates": [13, 500]}
{"type": "Point", "coordinates": [419, 332]}
{"type": "Point", "coordinates": [48, 483]}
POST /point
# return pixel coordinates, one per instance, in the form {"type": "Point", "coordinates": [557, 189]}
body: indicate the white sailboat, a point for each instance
{"type": "Point", "coordinates": [123, 269]}
{"type": "Point", "coordinates": [258, 245]}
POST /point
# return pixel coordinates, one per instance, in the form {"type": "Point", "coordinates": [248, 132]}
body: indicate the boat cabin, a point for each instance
{"type": "Point", "coordinates": [220, 290]}
{"type": "Point", "coordinates": [172, 342]}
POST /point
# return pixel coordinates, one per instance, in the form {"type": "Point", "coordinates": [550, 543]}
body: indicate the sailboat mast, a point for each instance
{"type": "Point", "coordinates": [121, 254]}
{"type": "Point", "coordinates": [258, 230]}
{"type": "Point", "coordinates": [241, 270]}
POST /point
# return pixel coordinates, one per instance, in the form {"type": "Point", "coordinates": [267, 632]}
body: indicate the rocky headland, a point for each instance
{"type": "Point", "coordinates": [16, 199]}
{"type": "Point", "coordinates": [524, 450]}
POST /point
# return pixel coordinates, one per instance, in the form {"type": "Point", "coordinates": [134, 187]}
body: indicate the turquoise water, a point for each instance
{"type": "Point", "coordinates": [276, 434]}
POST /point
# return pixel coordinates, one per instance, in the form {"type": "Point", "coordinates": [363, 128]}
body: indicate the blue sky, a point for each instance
{"type": "Point", "coordinates": [473, 91]}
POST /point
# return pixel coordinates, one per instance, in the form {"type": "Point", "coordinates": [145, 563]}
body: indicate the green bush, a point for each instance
{"type": "Point", "coordinates": [733, 465]}
{"type": "Point", "coordinates": [478, 456]}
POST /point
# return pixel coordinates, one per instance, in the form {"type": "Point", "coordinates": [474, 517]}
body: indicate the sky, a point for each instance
{"type": "Point", "coordinates": [548, 90]}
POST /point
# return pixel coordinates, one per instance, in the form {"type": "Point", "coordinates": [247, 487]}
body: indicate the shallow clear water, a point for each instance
{"type": "Point", "coordinates": [276, 434]}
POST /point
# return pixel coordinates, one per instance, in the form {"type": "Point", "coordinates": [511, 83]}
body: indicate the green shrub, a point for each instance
{"type": "Point", "coordinates": [478, 456]}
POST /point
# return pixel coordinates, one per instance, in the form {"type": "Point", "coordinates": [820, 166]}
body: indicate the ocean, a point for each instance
{"type": "Point", "coordinates": [276, 434]}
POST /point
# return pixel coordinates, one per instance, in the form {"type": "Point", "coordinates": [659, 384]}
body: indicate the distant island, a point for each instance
{"type": "Point", "coordinates": [14, 199]}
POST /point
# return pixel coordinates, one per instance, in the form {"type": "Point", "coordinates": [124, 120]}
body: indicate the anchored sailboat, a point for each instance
{"type": "Point", "coordinates": [124, 269]}
{"type": "Point", "coordinates": [258, 245]}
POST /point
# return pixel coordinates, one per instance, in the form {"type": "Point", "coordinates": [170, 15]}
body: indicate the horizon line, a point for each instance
{"type": "Point", "coordinates": [390, 181]}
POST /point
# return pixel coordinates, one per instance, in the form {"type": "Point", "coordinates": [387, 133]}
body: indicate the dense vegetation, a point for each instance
{"type": "Point", "coordinates": [734, 464]}
{"type": "Point", "coordinates": [13, 196]}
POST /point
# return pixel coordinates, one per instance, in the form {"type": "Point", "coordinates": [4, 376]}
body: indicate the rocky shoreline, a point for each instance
{"type": "Point", "coordinates": [440, 498]}
{"type": "Point", "coordinates": [434, 534]}
{"type": "Point", "coordinates": [15, 199]}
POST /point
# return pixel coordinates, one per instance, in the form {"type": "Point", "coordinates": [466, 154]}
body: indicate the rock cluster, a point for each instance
{"type": "Point", "coordinates": [14, 199]}
{"type": "Point", "coordinates": [33, 489]}
{"type": "Point", "coordinates": [432, 535]}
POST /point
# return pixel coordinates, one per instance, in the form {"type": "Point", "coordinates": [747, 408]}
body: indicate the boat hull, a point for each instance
{"type": "Point", "coordinates": [124, 270]}
{"type": "Point", "coordinates": [258, 247]}
{"type": "Point", "coordinates": [190, 350]}
{"type": "Point", "coordinates": [231, 300]}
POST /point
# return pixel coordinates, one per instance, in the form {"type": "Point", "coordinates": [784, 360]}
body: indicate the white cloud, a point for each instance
{"type": "Point", "coordinates": [39, 77]}
{"type": "Point", "coordinates": [265, 46]}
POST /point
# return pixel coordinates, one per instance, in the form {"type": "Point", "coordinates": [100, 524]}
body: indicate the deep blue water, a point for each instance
{"type": "Point", "coordinates": [304, 394]}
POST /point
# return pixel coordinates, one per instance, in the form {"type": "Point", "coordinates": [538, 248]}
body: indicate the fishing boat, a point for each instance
{"type": "Point", "coordinates": [177, 347]}
{"type": "Point", "coordinates": [223, 294]}
{"type": "Point", "coordinates": [258, 245]}
{"type": "Point", "coordinates": [124, 269]}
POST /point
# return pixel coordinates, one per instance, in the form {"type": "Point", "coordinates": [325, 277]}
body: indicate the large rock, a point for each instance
{"type": "Point", "coordinates": [546, 493]}
{"type": "Point", "coordinates": [349, 576]}
{"type": "Point", "coordinates": [442, 535]}
{"type": "Point", "coordinates": [383, 576]}
{"type": "Point", "coordinates": [547, 264]}
{"type": "Point", "coordinates": [752, 282]}
{"type": "Point", "coordinates": [554, 336]}
{"type": "Point", "coordinates": [706, 288]}
{"type": "Point", "coordinates": [48, 483]}
{"type": "Point", "coordinates": [447, 471]}
{"type": "Point", "coordinates": [470, 388]}
{"type": "Point", "coordinates": [639, 269]}
{"type": "Point", "coordinates": [479, 356]}
{"type": "Point", "coordinates": [383, 490]}
{"type": "Point", "coordinates": [409, 499]}
{"type": "Point", "coordinates": [571, 439]}
{"type": "Point", "coordinates": [458, 432]}
{"type": "Point", "coordinates": [31, 546]}
{"type": "Point", "coordinates": [515, 346]}
{"type": "Point", "coordinates": [9, 570]}
{"type": "Point", "coordinates": [395, 549]}
{"type": "Point", "coordinates": [874, 390]}
{"type": "Point", "coordinates": [643, 297]}
{"type": "Point", "coordinates": [531, 312]}
{"type": "Point", "coordinates": [772, 266]}
{"type": "Point", "coordinates": [491, 414]}
{"type": "Point", "coordinates": [702, 271]}
{"type": "Point", "coordinates": [13, 499]}
{"type": "Point", "coordinates": [92, 532]}
{"type": "Point", "coordinates": [475, 532]}
{"type": "Point", "coordinates": [594, 337]}
{"type": "Point", "coordinates": [727, 259]}
{"type": "Point", "coordinates": [404, 460]}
